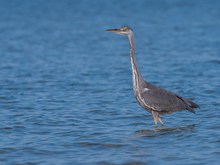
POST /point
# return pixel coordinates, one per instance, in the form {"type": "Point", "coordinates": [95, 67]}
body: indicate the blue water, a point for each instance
{"type": "Point", "coordinates": [65, 84]}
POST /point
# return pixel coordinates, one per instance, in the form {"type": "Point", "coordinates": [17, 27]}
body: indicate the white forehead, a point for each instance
{"type": "Point", "coordinates": [125, 28]}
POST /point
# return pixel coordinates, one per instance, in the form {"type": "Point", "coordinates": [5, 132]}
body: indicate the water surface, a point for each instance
{"type": "Point", "coordinates": [65, 84]}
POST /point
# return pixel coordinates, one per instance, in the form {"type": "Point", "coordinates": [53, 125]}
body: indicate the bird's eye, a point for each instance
{"type": "Point", "coordinates": [123, 29]}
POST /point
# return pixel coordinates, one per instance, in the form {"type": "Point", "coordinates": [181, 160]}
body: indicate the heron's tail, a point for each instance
{"type": "Point", "coordinates": [191, 105]}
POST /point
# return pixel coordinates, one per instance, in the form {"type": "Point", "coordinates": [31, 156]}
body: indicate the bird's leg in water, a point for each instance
{"type": "Point", "coordinates": [161, 122]}
{"type": "Point", "coordinates": [155, 116]}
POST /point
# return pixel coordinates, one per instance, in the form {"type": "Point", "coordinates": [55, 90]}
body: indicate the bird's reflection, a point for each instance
{"type": "Point", "coordinates": [165, 131]}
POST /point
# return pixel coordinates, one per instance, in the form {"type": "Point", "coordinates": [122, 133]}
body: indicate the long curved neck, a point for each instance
{"type": "Point", "coordinates": [136, 75]}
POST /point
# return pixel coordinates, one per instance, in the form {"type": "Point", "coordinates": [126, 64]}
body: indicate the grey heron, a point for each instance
{"type": "Point", "coordinates": [154, 99]}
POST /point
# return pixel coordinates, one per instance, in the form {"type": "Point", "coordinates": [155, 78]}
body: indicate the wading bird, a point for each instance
{"type": "Point", "coordinates": [154, 99]}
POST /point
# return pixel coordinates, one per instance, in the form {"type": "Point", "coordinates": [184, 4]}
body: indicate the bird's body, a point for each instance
{"type": "Point", "coordinates": [154, 99]}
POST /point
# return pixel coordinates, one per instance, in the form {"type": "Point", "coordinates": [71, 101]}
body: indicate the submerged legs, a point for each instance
{"type": "Point", "coordinates": [156, 118]}
{"type": "Point", "coordinates": [161, 122]}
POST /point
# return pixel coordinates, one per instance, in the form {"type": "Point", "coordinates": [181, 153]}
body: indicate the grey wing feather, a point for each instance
{"type": "Point", "coordinates": [163, 101]}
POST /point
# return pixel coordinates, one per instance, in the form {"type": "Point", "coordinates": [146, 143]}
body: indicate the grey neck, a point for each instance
{"type": "Point", "coordinates": [136, 75]}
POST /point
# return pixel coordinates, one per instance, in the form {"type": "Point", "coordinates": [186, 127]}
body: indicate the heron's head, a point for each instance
{"type": "Point", "coordinates": [124, 30]}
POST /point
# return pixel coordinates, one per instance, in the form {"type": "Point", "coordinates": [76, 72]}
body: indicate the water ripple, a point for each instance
{"type": "Point", "coordinates": [66, 92]}
{"type": "Point", "coordinates": [166, 131]}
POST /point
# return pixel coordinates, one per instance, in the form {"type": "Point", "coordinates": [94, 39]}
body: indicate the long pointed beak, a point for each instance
{"type": "Point", "coordinates": [113, 30]}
